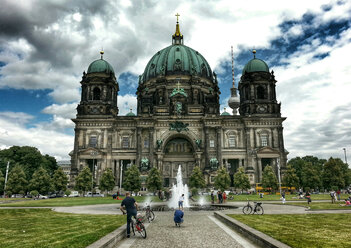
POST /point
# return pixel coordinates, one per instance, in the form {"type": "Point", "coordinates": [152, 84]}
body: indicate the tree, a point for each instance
{"type": "Point", "coordinates": [60, 180]}
{"type": "Point", "coordinates": [154, 180]}
{"type": "Point", "coordinates": [132, 181]}
{"type": "Point", "coordinates": [17, 182]}
{"type": "Point", "coordinates": [107, 181]}
{"type": "Point", "coordinates": [333, 174]}
{"type": "Point", "coordinates": [197, 179]}
{"type": "Point", "coordinates": [2, 182]}
{"type": "Point", "coordinates": [84, 180]}
{"type": "Point", "coordinates": [40, 181]}
{"type": "Point", "coordinates": [269, 179]}
{"type": "Point", "coordinates": [222, 180]}
{"type": "Point", "coordinates": [310, 177]}
{"type": "Point", "coordinates": [241, 180]}
{"type": "Point", "coordinates": [290, 178]}
{"type": "Point", "coordinates": [29, 158]}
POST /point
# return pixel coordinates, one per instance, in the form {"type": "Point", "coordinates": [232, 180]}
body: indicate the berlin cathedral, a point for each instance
{"type": "Point", "coordinates": [178, 120]}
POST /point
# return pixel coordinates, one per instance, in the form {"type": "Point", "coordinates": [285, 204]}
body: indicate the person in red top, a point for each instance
{"type": "Point", "coordinates": [224, 195]}
{"type": "Point", "coordinates": [347, 203]}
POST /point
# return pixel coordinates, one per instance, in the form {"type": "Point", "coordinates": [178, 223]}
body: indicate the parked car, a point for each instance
{"type": "Point", "coordinates": [89, 194]}
{"type": "Point", "coordinates": [42, 197]}
{"type": "Point", "coordinates": [74, 194]}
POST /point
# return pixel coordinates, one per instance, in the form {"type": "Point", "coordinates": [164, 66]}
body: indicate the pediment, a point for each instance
{"type": "Point", "coordinates": [91, 152]}
{"type": "Point", "coordinates": [267, 151]}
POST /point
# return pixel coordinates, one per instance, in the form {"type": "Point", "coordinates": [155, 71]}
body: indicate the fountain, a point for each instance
{"type": "Point", "coordinates": [178, 190]}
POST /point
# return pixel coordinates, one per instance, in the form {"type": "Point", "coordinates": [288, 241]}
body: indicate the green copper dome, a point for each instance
{"type": "Point", "coordinates": [255, 65]}
{"type": "Point", "coordinates": [100, 65]}
{"type": "Point", "coordinates": [176, 59]}
{"type": "Point", "coordinates": [225, 112]}
{"type": "Point", "coordinates": [130, 113]}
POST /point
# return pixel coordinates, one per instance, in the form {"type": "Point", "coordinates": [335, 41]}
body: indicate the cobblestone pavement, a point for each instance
{"type": "Point", "coordinates": [198, 230]}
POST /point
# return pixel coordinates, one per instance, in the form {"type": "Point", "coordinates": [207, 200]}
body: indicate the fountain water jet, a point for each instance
{"type": "Point", "coordinates": [179, 189]}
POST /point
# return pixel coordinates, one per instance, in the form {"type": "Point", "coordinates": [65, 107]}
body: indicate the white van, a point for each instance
{"type": "Point", "coordinates": [74, 194]}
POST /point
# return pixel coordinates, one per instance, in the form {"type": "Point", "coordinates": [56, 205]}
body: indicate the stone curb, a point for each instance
{"type": "Point", "coordinates": [254, 235]}
{"type": "Point", "coordinates": [111, 239]}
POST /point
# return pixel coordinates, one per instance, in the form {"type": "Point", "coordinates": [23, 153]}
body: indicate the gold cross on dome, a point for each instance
{"type": "Point", "coordinates": [177, 15]}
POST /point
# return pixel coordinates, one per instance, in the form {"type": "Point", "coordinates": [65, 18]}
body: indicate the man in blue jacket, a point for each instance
{"type": "Point", "coordinates": [178, 217]}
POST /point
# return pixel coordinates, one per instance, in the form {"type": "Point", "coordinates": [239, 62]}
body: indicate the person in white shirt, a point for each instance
{"type": "Point", "coordinates": [181, 201]}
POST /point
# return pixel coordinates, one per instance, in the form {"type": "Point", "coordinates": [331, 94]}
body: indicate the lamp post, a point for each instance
{"type": "Point", "coordinates": [345, 154]}
{"type": "Point", "coordinates": [93, 154]}
{"type": "Point", "coordinates": [280, 185]}
{"type": "Point", "coordinates": [7, 172]}
{"type": "Point", "coordinates": [120, 178]}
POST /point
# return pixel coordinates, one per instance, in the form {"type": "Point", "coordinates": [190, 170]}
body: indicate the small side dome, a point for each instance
{"type": "Point", "coordinates": [130, 113]}
{"type": "Point", "coordinates": [100, 65]}
{"type": "Point", "coordinates": [225, 112]}
{"type": "Point", "coordinates": [255, 65]}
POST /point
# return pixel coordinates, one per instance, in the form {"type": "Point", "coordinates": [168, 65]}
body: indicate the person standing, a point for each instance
{"type": "Point", "coordinates": [308, 196]}
{"type": "Point", "coordinates": [181, 201]}
{"type": "Point", "coordinates": [220, 197]}
{"type": "Point", "coordinates": [130, 205]}
{"type": "Point", "coordinates": [212, 197]}
{"type": "Point", "coordinates": [332, 195]}
{"type": "Point", "coordinates": [224, 195]}
{"type": "Point", "coordinates": [283, 197]}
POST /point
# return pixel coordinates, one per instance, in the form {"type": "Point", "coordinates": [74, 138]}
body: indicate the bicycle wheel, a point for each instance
{"type": "Point", "coordinates": [132, 227]}
{"type": "Point", "coordinates": [247, 210]}
{"type": "Point", "coordinates": [142, 231]}
{"type": "Point", "coordinates": [151, 216]}
{"type": "Point", "coordinates": [259, 210]}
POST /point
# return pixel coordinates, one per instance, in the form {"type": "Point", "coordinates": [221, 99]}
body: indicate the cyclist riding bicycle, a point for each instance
{"type": "Point", "coordinates": [130, 205]}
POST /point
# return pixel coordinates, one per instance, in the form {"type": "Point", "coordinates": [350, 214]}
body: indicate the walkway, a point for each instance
{"type": "Point", "coordinates": [200, 229]}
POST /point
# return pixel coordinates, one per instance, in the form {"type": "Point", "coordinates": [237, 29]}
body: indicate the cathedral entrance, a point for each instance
{"type": "Point", "coordinates": [177, 152]}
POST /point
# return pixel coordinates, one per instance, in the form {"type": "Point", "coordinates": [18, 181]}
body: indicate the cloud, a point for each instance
{"type": "Point", "coordinates": [13, 132]}
{"type": "Point", "coordinates": [125, 103]}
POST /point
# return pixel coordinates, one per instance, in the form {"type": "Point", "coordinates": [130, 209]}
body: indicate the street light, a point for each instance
{"type": "Point", "coordinates": [93, 154]}
{"type": "Point", "coordinates": [280, 185]}
{"type": "Point", "coordinates": [345, 154]}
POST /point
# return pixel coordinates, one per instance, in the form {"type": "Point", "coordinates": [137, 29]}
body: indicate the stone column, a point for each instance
{"type": "Point", "coordinates": [207, 147]}
{"type": "Point", "coordinates": [138, 146]}
{"type": "Point", "coordinates": [219, 145]}
{"type": "Point", "coordinates": [151, 145]}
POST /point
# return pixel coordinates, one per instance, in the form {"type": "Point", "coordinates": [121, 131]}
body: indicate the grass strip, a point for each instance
{"type": "Point", "coordinates": [321, 205]}
{"type": "Point", "coordinates": [45, 228]}
{"type": "Point", "coordinates": [71, 201]}
{"type": "Point", "coordinates": [303, 230]}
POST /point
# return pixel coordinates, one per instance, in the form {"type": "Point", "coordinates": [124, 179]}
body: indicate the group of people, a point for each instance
{"type": "Point", "coordinates": [221, 197]}
{"type": "Point", "coordinates": [129, 207]}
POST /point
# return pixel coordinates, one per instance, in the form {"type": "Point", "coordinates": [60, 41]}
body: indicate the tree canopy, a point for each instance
{"type": "Point", "coordinates": [290, 178]}
{"type": "Point", "coordinates": [107, 181]}
{"type": "Point", "coordinates": [222, 180]}
{"type": "Point", "coordinates": [241, 180]}
{"type": "Point", "coordinates": [84, 180]}
{"type": "Point", "coordinates": [41, 181]}
{"type": "Point", "coordinates": [197, 179]}
{"type": "Point", "coordinates": [269, 179]}
{"type": "Point", "coordinates": [59, 180]}
{"type": "Point", "coordinates": [132, 181]}
{"type": "Point", "coordinates": [154, 180]}
{"type": "Point", "coordinates": [29, 158]}
{"type": "Point", "coordinates": [17, 182]}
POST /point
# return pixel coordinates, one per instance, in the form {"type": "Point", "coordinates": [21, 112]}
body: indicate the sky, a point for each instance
{"type": "Point", "coordinates": [46, 45]}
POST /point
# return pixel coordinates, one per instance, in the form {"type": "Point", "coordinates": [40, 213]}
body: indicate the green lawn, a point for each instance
{"type": "Point", "coordinates": [304, 230]}
{"type": "Point", "coordinates": [45, 228]}
{"type": "Point", "coordinates": [69, 201]}
{"type": "Point", "coordinates": [274, 197]}
{"type": "Point", "coordinates": [321, 205]}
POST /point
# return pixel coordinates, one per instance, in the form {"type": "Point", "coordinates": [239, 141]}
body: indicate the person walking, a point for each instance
{"type": "Point", "coordinates": [283, 197]}
{"type": "Point", "coordinates": [130, 205]}
{"type": "Point", "coordinates": [181, 201]}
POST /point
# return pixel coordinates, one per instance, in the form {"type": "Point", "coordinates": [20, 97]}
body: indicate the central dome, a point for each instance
{"type": "Point", "coordinates": [177, 59]}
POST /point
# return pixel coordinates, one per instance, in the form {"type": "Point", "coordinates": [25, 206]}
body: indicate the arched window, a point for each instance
{"type": "Point", "coordinates": [96, 93]}
{"type": "Point", "coordinates": [260, 92]}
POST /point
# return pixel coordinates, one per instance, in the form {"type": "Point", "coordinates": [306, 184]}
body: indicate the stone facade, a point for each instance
{"type": "Point", "coordinates": [178, 123]}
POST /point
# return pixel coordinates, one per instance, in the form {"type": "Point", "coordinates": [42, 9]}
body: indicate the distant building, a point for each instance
{"type": "Point", "coordinates": [178, 120]}
{"type": "Point", "coordinates": [66, 167]}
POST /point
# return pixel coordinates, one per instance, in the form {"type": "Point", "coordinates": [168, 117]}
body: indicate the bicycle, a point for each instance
{"type": "Point", "coordinates": [149, 214]}
{"type": "Point", "coordinates": [137, 224]}
{"type": "Point", "coordinates": [258, 209]}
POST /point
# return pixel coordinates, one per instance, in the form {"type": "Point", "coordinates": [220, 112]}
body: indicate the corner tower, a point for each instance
{"type": "Point", "coordinates": [99, 91]}
{"type": "Point", "coordinates": [257, 90]}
